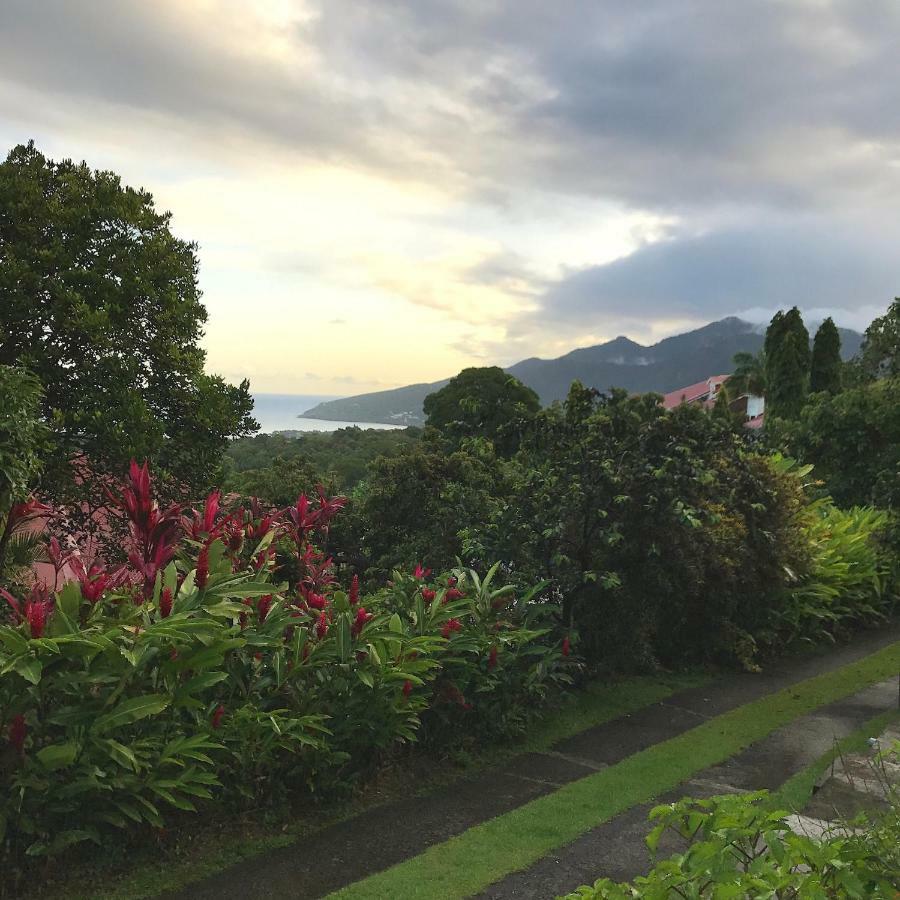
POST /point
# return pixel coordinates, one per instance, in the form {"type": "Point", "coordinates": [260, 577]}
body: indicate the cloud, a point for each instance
{"type": "Point", "coordinates": [452, 177]}
{"type": "Point", "coordinates": [735, 271]}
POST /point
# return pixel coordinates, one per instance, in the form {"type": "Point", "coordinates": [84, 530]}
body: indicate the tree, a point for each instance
{"type": "Point", "coordinates": [482, 402]}
{"type": "Point", "coordinates": [787, 379]}
{"type": "Point", "coordinates": [853, 440]}
{"type": "Point", "coordinates": [881, 347]}
{"type": "Point", "coordinates": [100, 300]}
{"type": "Point", "coordinates": [749, 375]}
{"type": "Point", "coordinates": [22, 447]}
{"type": "Point", "coordinates": [825, 370]}
{"type": "Point", "coordinates": [788, 360]}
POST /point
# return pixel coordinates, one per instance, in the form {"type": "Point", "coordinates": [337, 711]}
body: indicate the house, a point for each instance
{"type": "Point", "coordinates": [705, 394]}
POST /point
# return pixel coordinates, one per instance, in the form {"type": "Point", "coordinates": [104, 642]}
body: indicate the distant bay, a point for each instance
{"type": "Point", "coordinates": [281, 412]}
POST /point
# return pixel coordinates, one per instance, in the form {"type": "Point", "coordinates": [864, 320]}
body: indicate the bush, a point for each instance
{"type": "Point", "coordinates": [208, 669]}
{"type": "Point", "coordinates": [737, 846]}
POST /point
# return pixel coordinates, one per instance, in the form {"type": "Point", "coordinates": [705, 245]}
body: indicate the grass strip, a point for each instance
{"type": "Point", "coordinates": [795, 793]}
{"type": "Point", "coordinates": [216, 845]}
{"type": "Point", "coordinates": [470, 862]}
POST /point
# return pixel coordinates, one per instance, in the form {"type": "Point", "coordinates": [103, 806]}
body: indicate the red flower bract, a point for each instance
{"type": "Point", "coordinates": [202, 576]}
{"type": "Point", "coordinates": [453, 594]}
{"type": "Point", "coordinates": [322, 626]}
{"type": "Point", "coordinates": [18, 731]}
{"type": "Point", "coordinates": [362, 617]}
{"type": "Point", "coordinates": [354, 590]}
{"type": "Point", "coordinates": [216, 719]}
{"type": "Point", "coordinates": [428, 595]}
{"type": "Point", "coordinates": [450, 626]}
{"type": "Point", "coordinates": [165, 603]}
{"type": "Point", "coordinates": [263, 605]}
{"type": "Point", "coordinates": [407, 688]}
{"type": "Point", "coordinates": [420, 573]}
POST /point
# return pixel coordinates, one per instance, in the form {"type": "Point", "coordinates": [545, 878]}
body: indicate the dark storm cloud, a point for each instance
{"type": "Point", "coordinates": [705, 277]}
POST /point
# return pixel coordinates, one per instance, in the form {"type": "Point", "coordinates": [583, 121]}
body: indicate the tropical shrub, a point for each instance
{"type": "Point", "coordinates": [667, 541]}
{"type": "Point", "coordinates": [850, 580]}
{"type": "Point", "coordinates": [224, 662]}
{"type": "Point", "coordinates": [738, 846]}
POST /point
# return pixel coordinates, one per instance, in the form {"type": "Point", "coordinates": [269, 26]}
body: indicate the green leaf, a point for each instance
{"type": "Point", "coordinates": [58, 756]}
{"type": "Point", "coordinates": [30, 668]}
{"type": "Point", "coordinates": [131, 711]}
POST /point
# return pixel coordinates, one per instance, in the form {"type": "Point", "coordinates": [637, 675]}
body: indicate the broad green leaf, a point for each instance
{"type": "Point", "coordinates": [131, 711]}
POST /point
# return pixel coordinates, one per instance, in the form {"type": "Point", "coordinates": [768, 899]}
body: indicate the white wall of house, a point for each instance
{"type": "Point", "coordinates": [755, 406]}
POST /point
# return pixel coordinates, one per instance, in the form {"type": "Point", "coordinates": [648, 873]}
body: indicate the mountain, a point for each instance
{"type": "Point", "coordinates": [666, 366]}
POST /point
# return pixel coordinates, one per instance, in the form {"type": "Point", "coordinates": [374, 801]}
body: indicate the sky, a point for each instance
{"type": "Point", "coordinates": [386, 191]}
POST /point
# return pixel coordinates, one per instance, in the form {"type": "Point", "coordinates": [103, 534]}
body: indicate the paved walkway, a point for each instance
{"type": "Point", "coordinates": [386, 835]}
{"type": "Point", "coordinates": [616, 849]}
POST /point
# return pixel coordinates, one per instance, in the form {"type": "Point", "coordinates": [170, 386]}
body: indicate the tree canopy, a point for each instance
{"type": "Point", "coordinates": [481, 402]}
{"type": "Point", "coordinates": [100, 300]}
{"type": "Point", "coordinates": [881, 347]}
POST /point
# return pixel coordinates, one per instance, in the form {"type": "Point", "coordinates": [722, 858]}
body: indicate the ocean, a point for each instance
{"type": "Point", "coordinates": [281, 412]}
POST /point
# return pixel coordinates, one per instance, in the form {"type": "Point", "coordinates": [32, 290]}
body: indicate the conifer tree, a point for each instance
{"type": "Point", "coordinates": [789, 380]}
{"type": "Point", "coordinates": [825, 371]}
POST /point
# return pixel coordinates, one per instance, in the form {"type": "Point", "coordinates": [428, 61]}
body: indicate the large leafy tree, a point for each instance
{"type": "Point", "coordinates": [881, 347]}
{"type": "Point", "coordinates": [482, 402]}
{"type": "Point", "coordinates": [825, 372]}
{"type": "Point", "coordinates": [100, 300]}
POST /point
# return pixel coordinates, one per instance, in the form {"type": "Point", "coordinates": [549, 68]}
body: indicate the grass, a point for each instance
{"type": "Point", "coordinates": [470, 862]}
{"type": "Point", "coordinates": [795, 793]}
{"type": "Point", "coordinates": [198, 849]}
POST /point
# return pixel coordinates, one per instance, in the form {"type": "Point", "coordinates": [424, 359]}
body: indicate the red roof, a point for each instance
{"type": "Point", "coordinates": [692, 393]}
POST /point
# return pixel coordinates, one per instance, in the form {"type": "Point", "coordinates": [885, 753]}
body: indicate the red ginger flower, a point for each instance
{"type": "Point", "coordinates": [362, 617]}
{"type": "Point", "coordinates": [453, 594]}
{"type": "Point", "coordinates": [492, 658]}
{"type": "Point", "coordinates": [18, 731]}
{"type": "Point", "coordinates": [263, 605]}
{"type": "Point", "coordinates": [451, 581]}
{"type": "Point", "coordinates": [451, 626]}
{"type": "Point", "coordinates": [428, 594]}
{"type": "Point", "coordinates": [216, 719]}
{"type": "Point", "coordinates": [202, 576]}
{"type": "Point", "coordinates": [419, 573]}
{"type": "Point", "coordinates": [565, 646]}
{"type": "Point", "coordinates": [354, 590]}
{"type": "Point", "coordinates": [407, 688]}
{"type": "Point", "coordinates": [165, 603]}
{"type": "Point", "coordinates": [96, 580]}
{"type": "Point", "coordinates": [321, 626]}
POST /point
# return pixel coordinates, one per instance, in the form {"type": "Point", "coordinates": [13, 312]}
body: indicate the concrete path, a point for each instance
{"type": "Point", "coordinates": [616, 849]}
{"type": "Point", "coordinates": [386, 835]}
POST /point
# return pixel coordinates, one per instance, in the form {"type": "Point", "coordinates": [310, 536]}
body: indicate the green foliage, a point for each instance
{"type": "Point", "coordinates": [787, 361]}
{"type": "Point", "coordinates": [22, 435]}
{"type": "Point", "coordinates": [100, 301]}
{"type": "Point", "coordinates": [738, 846]}
{"type": "Point", "coordinates": [663, 538]}
{"type": "Point", "coordinates": [482, 402]}
{"type": "Point", "coordinates": [125, 699]}
{"type": "Point", "coordinates": [265, 464]}
{"type": "Point", "coordinates": [749, 376]}
{"type": "Point", "coordinates": [880, 355]}
{"type": "Point", "coordinates": [826, 366]}
{"type": "Point", "coordinates": [853, 440]}
{"type": "Point", "coordinates": [849, 579]}
{"type": "Point", "coordinates": [414, 505]}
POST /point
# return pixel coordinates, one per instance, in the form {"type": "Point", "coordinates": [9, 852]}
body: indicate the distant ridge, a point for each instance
{"type": "Point", "coordinates": [665, 366]}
